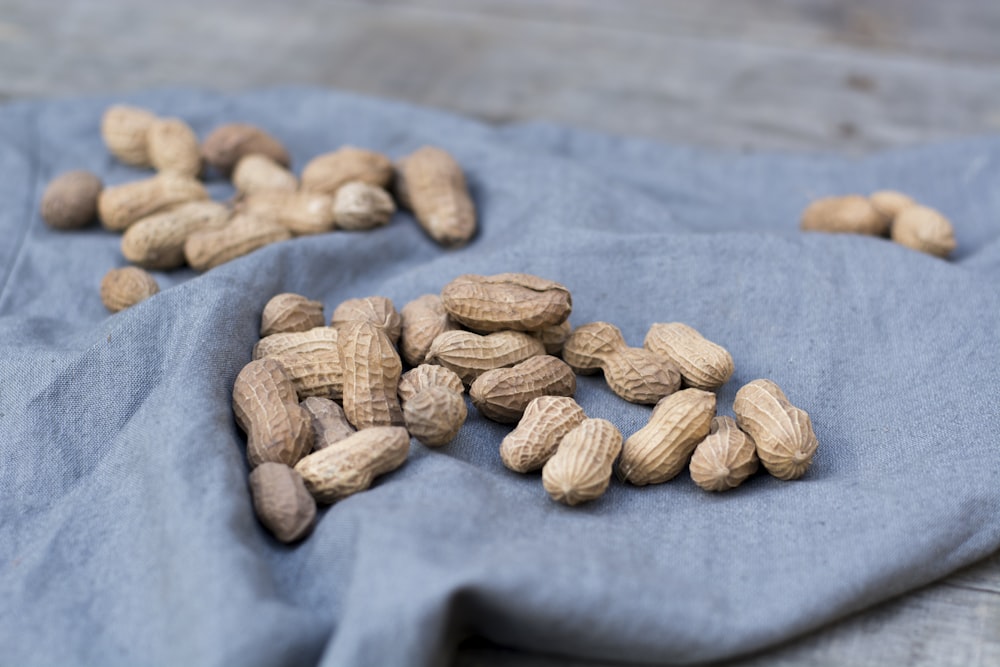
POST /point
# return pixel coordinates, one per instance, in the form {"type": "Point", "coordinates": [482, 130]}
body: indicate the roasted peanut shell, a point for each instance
{"type": "Point", "coordinates": [157, 241]}
{"type": "Point", "coordinates": [371, 368]}
{"type": "Point", "coordinates": [314, 374]}
{"type": "Point", "coordinates": [329, 422]}
{"type": "Point", "coordinates": [435, 415]}
{"type": "Point", "coordinates": [851, 214]}
{"type": "Point", "coordinates": [266, 407]}
{"type": "Point", "coordinates": [229, 143]}
{"type": "Point", "coordinates": [359, 206]}
{"type": "Point", "coordinates": [289, 313]}
{"type": "Point", "coordinates": [124, 130]}
{"type": "Point", "coordinates": [515, 301]}
{"type": "Point", "coordinates": [545, 422]}
{"type": "Point", "coordinates": [301, 213]}
{"type": "Point", "coordinates": [327, 173]}
{"type": "Point", "coordinates": [125, 287]}
{"type": "Point", "coordinates": [581, 468]}
{"type": "Point", "coordinates": [432, 185]}
{"type": "Point", "coordinates": [702, 363]}
{"type": "Point", "coordinates": [470, 355]}
{"type": "Point", "coordinates": [70, 200]}
{"type": "Point", "coordinates": [334, 473]}
{"type": "Point", "coordinates": [320, 339]}
{"type": "Point", "coordinates": [173, 147]}
{"type": "Point", "coordinates": [425, 376]}
{"type": "Point", "coordinates": [209, 248]}
{"type": "Point", "coordinates": [423, 320]}
{"type": "Point", "coordinates": [924, 229]}
{"type": "Point", "coordinates": [890, 203]}
{"type": "Point", "coordinates": [782, 432]}
{"type": "Point", "coordinates": [378, 310]}
{"type": "Point", "coordinates": [121, 205]}
{"type": "Point", "coordinates": [503, 394]}
{"type": "Point", "coordinates": [256, 173]}
{"type": "Point", "coordinates": [725, 458]}
{"type": "Point", "coordinates": [282, 502]}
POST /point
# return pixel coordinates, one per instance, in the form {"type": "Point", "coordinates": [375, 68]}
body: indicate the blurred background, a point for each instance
{"type": "Point", "coordinates": [847, 76]}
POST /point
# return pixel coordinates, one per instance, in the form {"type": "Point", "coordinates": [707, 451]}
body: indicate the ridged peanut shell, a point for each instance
{"type": "Point", "coordinates": [545, 422]}
{"type": "Point", "coordinates": [359, 206]}
{"type": "Point", "coordinates": [229, 143]}
{"type": "Point", "coordinates": [314, 374]}
{"type": "Point", "coordinates": [320, 339]}
{"type": "Point", "coordinates": [209, 248]}
{"type": "Point", "coordinates": [70, 200]}
{"type": "Point", "coordinates": [782, 432]}
{"type": "Point", "coordinates": [301, 213]}
{"type": "Point", "coordinates": [157, 241]}
{"type": "Point", "coordinates": [327, 173]}
{"type": "Point", "coordinates": [435, 415]}
{"type": "Point", "coordinates": [329, 423]}
{"type": "Point", "coordinates": [850, 214]}
{"type": "Point", "coordinates": [433, 186]}
{"type": "Point", "coordinates": [121, 205]}
{"type": "Point", "coordinates": [702, 363]}
{"type": "Point", "coordinates": [266, 407]}
{"type": "Point", "coordinates": [423, 320]}
{"type": "Point", "coordinates": [378, 310]}
{"type": "Point", "coordinates": [125, 130]}
{"type": "Point", "coordinates": [554, 336]}
{"type": "Point", "coordinates": [660, 450]}
{"type": "Point", "coordinates": [890, 203]}
{"type": "Point", "coordinates": [470, 354]}
{"type": "Point", "coordinates": [725, 458]}
{"type": "Point", "coordinates": [256, 173]}
{"type": "Point", "coordinates": [282, 502]}
{"type": "Point", "coordinates": [515, 301]}
{"type": "Point", "coordinates": [503, 394]}
{"type": "Point", "coordinates": [581, 468]}
{"type": "Point", "coordinates": [924, 229]}
{"type": "Point", "coordinates": [125, 287]}
{"type": "Point", "coordinates": [371, 370]}
{"type": "Point", "coordinates": [334, 473]}
{"type": "Point", "coordinates": [173, 146]}
{"type": "Point", "coordinates": [289, 313]}
{"type": "Point", "coordinates": [425, 376]}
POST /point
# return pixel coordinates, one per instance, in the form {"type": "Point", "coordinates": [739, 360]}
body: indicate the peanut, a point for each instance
{"type": "Point", "coordinates": [581, 468]}
{"type": "Point", "coordinates": [312, 341]}
{"type": "Point", "coordinates": [359, 206]}
{"type": "Point", "coordinates": [257, 173]}
{"type": "Point", "coordinates": [300, 212]}
{"type": "Point", "coordinates": [314, 374]}
{"type": "Point", "coordinates": [924, 229]}
{"type": "Point", "coordinates": [890, 203]}
{"type": "Point", "coordinates": [328, 172]}
{"type": "Point", "coordinates": [433, 407]}
{"type": "Point", "coordinates": [209, 248]}
{"type": "Point", "coordinates": [278, 429]}
{"type": "Point", "coordinates": [516, 301]}
{"type": "Point", "coordinates": [329, 423]}
{"type": "Point", "coordinates": [634, 373]}
{"type": "Point", "coordinates": [123, 288]}
{"type": "Point", "coordinates": [659, 450]}
{"type": "Point", "coordinates": [334, 473]}
{"type": "Point", "coordinates": [431, 184]}
{"type": "Point", "coordinates": [157, 241]}
{"type": "Point", "coordinates": [470, 355]}
{"type": "Point", "coordinates": [289, 313]}
{"type": "Point", "coordinates": [782, 432]}
{"type": "Point", "coordinates": [725, 458]}
{"type": "Point", "coordinates": [554, 336]}
{"type": "Point", "coordinates": [371, 370]}
{"type": "Point", "coordinates": [503, 394]}
{"type": "Point", "coordinates": [125, 130]}
{"type": "Point", "coordinates": [173, 146]}
{"type": "Point", "coordinates": [378, 310]}
{"type": "Point", "coordinates": [852, 214]}
{"type": "Point", "coordinates": [702, 363]}
{"type": "Point", "coordinates": [546, 421]}
{"type": "Point", "coordinates": [282, 502]}
{"type": "Point", "coordinates": [70, 200]}
{"type": "Point", "coordinates": [229, 143]}
{"type": "Point", "coordinates": [423, 320]}
{"type": "Point", "coordinates": [424, 376]}
{"type": "Point", "coordinates": [122, 205]}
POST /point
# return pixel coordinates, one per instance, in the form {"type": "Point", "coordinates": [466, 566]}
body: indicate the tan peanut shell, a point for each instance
{"type": "Point", "coordinates": [515, 301]}
{"type": "Point", "coordinates": [470, 355]}
{"type": "Point", "coordinates": [334, 473]}
{"type": "Point", "coordinates": [300, 212]}
{"type": "Point", "coordinates": [378, 310]}
{"type": "Point", "coordinates": [209, 248]}
{"type": "Point", "coordinates": [314, 374]}
{"type": "Point", "coordinates": [660, 450]}
{"type": "Point", "coordinates": [266, 407]}
{"type": "Point", "coordinates": [320, 339]}
{"type": "Point", "coordinates": [282, 502]}
{"type": "Point", "coordinates": [782, 432]}
{"type": "Point", "coordinates": [229, 143]}
{"type": "Point", "coordinates": [503, 394]}
{"type": "Point", "coordinates": [371, 370]}
{"type": "Point", "coordinates": [633, 373]}
{"type": "Point", "coordinates": [581, 468]}
{"type": "Point", "coordinates": [924, 229]}
{"type": "Point", "coordinates": [121, 205]}
{"type": "Point", "coordinates": [545, 422]}
{"type": "Point", "coordinates": [725, 458]}
{"type": "Point", "coordinates": [423, 320]}
{"type": "Point", "coordinates": [702, 363]}
{"type": "Point", "coordinates": [425, 376]}
{"type": "Point", "coordinates": [70, 200]}
{"type": "Point", "coordinates": [327, 173]}
{"type": "Point", "coordinates": [157, 241]}
{"type": "Point", "coordinates": [851, 214]}
{"type": "Point", "coordinates": [435, 415]}
{"type": "Point", "coordinates": [124, 130]}
{"type": "Point", "coordinates": [256, 173]}
{"type": "Point", "coordinates": [329, 423]}
{"type": "Point", "coordinates": [554, 336]}
{"type": "Point", "coordinates": [432, 185]}
{"type": "Point", "coordinates": [173, 146]}
{"type": "Point", "coordinates": [289, 313]}
{"type": "Point", "coordinates": [360, 206]}
{"type": "Point", "coordinates": [125, 287]}
{"type": "Point", "coordinates": [890, 203]}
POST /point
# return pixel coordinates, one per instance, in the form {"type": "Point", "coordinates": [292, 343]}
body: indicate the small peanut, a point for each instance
{"type": "Point", "coordinates": [329, 423]}
{"type": "Point", "coordinates": [70, 200]}
{"type": "Point", "coordinates": [546, 421]}
{"type": "Point", "coordinates": [282, 502]}
{"type": "Point", "coordinates": [659, 450]}
{"type": "Point", "coordinates": [334, 473]}
{"type": "Point", "coordinates": [503, 394]}
{"type": "Point", "coordinates": [782, 432]}
{"type": "Point", "coordinates": [725, 458]}
{"type": "Point", "coordinates": [289, 313]}
{"type": "Point", "coordinates": [378, 310]}
{"type": "Point", "coordinates": [423, 320]}
{"type": "Point", "coordinates": [470, 355]}
{"type": "Point", "coordinates": [431, 184]}
{"type": "Point", "coordinates": [157, 241]}
{"type": "Point", "coordinates": [360, 206]}
{"type": "Point", "coordinates": [433, 406]}
{"type": "Point", "coordinates": [314, 374]}
{"type": "Point", "coordinates": [581, 468]}
{"type": "Point", "coordinates": [924, 229]}
{"type": "Point", "coordinates": [173, 146]}
{"type": "Point", "coordinates": [121, 205]}
{"type": "Point", "coordinates": [702, 363]}
{"type": "Point", "coordinates": [425, 376]}
{"type": "Point", "coordinates": [229, 143]}
{"type": "Point", "coordinates": [125, 287]}
{"type": "Point", "coordinates": [320, 339]}
{"type": "Point", "coordinates": [634, 373]}
{"type": "Point", "coordinates": [300, 212]}
{"type": "Point", "coordinates": [850, 214]}
{"type": "Point", "coordinates": [267, 409]}
{"type": "Point", "coordinates": [257, 173]}
{"type": "Point", "coordinates": [371, 368]}
{"type": "Point", "coordinates": [327, 173]}
{"type": "Point", "coordinates": [515, 301]}
{"type": "Point", "coordinates": [125, 130]}
{"type": "Point", "coordinates": [890, 203]}
{"type": "Point", "coordinates": [209, 248]}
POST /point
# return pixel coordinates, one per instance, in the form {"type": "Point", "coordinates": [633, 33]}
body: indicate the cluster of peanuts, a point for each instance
{"type": "Point", "coordinates": [506, 339]}
{"type": "Point", "coordinates": [885, 213]}
{"type": "Point", "coordinates": [169, 220]}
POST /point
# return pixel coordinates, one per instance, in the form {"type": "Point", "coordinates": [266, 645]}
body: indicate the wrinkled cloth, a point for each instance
{"type": "Point", "coordinates": [127, 534]}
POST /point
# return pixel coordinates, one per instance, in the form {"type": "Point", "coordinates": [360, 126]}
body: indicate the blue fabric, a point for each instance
{"type": "Point", "coordinates": [127, 534]}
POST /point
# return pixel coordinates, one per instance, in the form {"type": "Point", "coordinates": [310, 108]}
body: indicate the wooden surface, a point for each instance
{"type": "Point", "coordinates": [848, 76]}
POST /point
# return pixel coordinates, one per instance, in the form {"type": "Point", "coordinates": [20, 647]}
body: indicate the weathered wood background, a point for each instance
{"type": "Point", "coordinates": [848, 76]}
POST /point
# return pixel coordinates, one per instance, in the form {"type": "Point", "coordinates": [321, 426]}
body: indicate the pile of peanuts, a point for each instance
{"type": "Point", "coordinates": [168, 220]}
{"type": "Point", "coordinates": [507, 339]}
